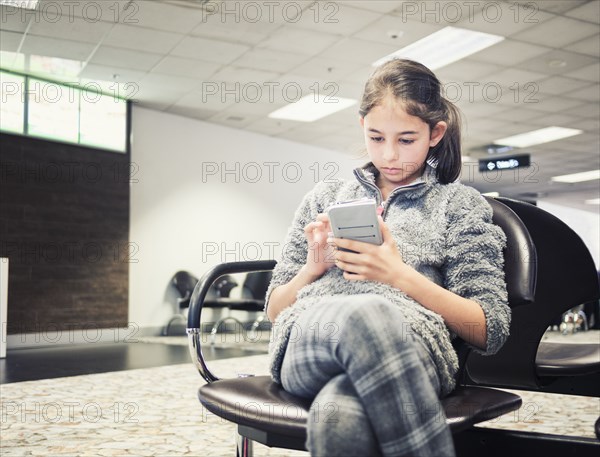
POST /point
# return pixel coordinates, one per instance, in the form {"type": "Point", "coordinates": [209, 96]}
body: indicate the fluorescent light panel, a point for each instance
{"type": "Point", "coordinates": [593, 201]}
{"type": "Point", "coordinates": [578, 177]}
{"type": "Point", "coordinates": [311, 108]}
{"type": "Point", "coordinates": [25, 4]}
{"type": "Point", "coordinates": [545, 135]}
{"type": "Point", "coordinates": [444, 47]}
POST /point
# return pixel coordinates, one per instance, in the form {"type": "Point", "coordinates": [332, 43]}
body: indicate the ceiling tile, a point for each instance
{"type": "Point", "coordinates": [504, 19]}
{"type": "Point", "coordinates": [512, 78]}
{"type": "Point", "coordinates": [233, 120]}
{"type": "Point", "coordinates": [589, 11]}
{"type": "Point", "coordinates": [107, 73]}
{"type": "Point", "coordinates": [52, 47]}
{"type": "Point", "coordinates": [179, 66]}
{"type": "Point", "coordinates": [559, 119]}
{"type": "Point", "coordinates": [142, 39]}
{"type": "Point", "coordinates": [379, 6]}
{"type": "Point", "coordinates": [268, 126]}
{"type": "Point", "coordinates": [157, 80]}
{"type": "Point", "coordinates": [245, 76]}
{"type": "Point", "coordinates": [359, 51]}
{"type": "Point", "coordinates": [327, 69]}
{"type": "Point", "coordinates": [267, 60]}
{"type": "Point", "coordinates": [466, 71]}
{"type": "Point", "coordinates": [384, 29]}
{"type": "Point", "coordinates": [589, 46]}
{"type": "Point", "coordinates": [336, 18]}
{"type": "Point", "coordinates": [557, 62]}
{"type": "Point", "coordinates": [590, 110]}
{"type": "Point", "coordinates": [559, 85]}
{"type": "Point", "coordinates": [589, 93]}
{"type": "Point", "coordinates": [589, 73]}
{"type": "Point", "coordinates": [509, 53]}
{"type": "Point", "coordinates": [519, 115]}
{"type": "Point", "coordinates": [10, 41]}
{"type": "Point", "coordinates": [557, 32]}
{"type": "Point", "coordinates": [14, 20]}
{"type": "Point", "coordinates": [136, 60]}
{"type": "Point", "coordinates": [71, 28]}
{"type": "Point", "coordinates": [298, 41]}
{"type": "Point", "coordinates": [162, 16]}
{"type": "Point", "coordinates": [209, 50]}
{"type": "Point", "coordinates": [553, 103]}
{"type": "Point", "coordinates": [192, 112]}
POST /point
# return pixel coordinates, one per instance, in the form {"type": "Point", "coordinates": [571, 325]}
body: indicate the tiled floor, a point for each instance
{"type": "Point", "coordinates": [142, 401]}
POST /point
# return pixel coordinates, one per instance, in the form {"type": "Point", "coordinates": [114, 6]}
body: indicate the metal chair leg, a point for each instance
{"type": "Point", "coordinates": [244, 446]}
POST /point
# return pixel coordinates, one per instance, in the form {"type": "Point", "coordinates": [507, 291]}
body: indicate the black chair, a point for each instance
{"type": "Point", "coordinates": [184, 283]}
{"type": "Point", "coordinates": [276, 426]}
{"type": "Point", "coordinates": [567, 278]}
{"type": "Point", "coordinates": [252, 299]}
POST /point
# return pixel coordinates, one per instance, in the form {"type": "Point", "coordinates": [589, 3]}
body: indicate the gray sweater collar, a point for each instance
{"type": "Point", "coordinates": [367, 177]}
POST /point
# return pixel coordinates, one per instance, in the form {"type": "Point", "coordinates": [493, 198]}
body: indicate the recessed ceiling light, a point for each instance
{"type": "Point", "coordinates": [444, 47]}
{"type": "Point", "coordinates": [491, 194]}
{"type": "Point", "coordinates": [311, 108]}
{"type": "Point", "coordinates": [545, 135]}
{"type": "Point", "coordinates": [593, 201]}
{"type": "Point", "coordinates": [578, 177]}
{"type": "Point", "coordinates": [26, 4]}
{"type": "Point", "coordinates": [557, 63]}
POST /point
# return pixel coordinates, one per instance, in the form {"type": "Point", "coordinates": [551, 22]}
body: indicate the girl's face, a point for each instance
{"type": "Point", "coordinates": [398, 143]}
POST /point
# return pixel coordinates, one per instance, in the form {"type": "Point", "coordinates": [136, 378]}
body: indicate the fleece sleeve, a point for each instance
{"type": "Point", "coordinates": [295, 248]}
{"type": "Point", "coordinates": [474, 263]}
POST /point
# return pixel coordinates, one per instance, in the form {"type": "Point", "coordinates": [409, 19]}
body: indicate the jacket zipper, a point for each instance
{"type": "Point", "coordinates": [385, 205]}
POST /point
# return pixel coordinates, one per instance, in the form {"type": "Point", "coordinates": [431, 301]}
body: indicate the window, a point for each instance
{"type": "Point", "coordinates": [12, 108]}
{"type": "Point", "coordinates": [61, 112]}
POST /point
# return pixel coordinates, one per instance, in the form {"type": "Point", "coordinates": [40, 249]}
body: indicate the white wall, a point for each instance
{"type": "Point", "coordinates": [183, 217]}
{"type": "Point", "coordinates": [585, 223]}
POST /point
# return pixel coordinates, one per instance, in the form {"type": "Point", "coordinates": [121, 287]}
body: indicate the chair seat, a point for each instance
{"type": "Point", "coordinates": [236, 304]}
{"type": "Point", "coordinates": [556, 359]}
{"type": "Point", "coordinates": [260, 403]}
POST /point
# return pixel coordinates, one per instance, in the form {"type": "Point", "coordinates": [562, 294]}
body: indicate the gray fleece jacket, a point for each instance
{"type": "Point", "coordinates": [443, 231]}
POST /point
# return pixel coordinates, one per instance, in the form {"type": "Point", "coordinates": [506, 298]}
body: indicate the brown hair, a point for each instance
{"type": "Point", "coordinates": [420, 93]}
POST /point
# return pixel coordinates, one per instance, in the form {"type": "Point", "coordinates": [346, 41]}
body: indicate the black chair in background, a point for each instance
{"type": "Point", "coordinates": [184, 283]}
{"type": "Point", "coordinates": [283, 423]}
{"type": "Point", "coordinates": [252, 300]}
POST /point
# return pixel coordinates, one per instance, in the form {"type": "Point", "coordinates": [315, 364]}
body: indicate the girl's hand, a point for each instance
{"type": "Point", "coordinates": [381, 263]}
{"type": "Point", "coordinates": [320, 256]}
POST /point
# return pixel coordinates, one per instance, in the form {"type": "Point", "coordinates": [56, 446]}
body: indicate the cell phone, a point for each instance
{"type": "Point", "coordinates": [355, 220]}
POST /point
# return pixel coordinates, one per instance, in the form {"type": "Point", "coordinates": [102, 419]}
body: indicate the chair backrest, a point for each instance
{"type": "Point", "coordinates": [520, 267]}
{"type": "Point", "coordinates": [520, 257]}
{"type": "Point", "coordinates": [256, 284]}
{"type": "Point", "coordinates": [184, 283]}
{"type": "Point", "coordinates": [566, 277]}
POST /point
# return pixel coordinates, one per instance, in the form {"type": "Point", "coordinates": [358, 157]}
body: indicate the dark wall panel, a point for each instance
{"type": "Point", "coordinates": [64, 225]}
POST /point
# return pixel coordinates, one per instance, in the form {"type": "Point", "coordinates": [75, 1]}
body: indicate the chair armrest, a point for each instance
{"type": "Point", "coordinates": [197, 301]}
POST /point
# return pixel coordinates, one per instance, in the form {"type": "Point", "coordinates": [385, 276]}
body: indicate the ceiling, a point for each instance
{"type": "Point", "coordinates": [234, 62]}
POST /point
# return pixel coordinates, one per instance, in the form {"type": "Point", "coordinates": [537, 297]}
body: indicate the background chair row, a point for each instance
{"type": "Point", "coordinates": [251, 298]}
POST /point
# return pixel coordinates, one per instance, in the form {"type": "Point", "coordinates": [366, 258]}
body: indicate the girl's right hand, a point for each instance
{"type": "Point", "coordinates": [320, 253]}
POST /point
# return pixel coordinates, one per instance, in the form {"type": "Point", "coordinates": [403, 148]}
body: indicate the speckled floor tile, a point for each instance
{"type": "Point", "coordinates": [154, 412]}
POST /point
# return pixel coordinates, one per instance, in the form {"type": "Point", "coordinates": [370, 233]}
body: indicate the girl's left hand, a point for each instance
{"type": "Point", "coordinates": [381, 263]}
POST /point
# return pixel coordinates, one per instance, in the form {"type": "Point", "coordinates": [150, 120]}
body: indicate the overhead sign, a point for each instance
{"type": "Point", "coordinates": [505, 163]}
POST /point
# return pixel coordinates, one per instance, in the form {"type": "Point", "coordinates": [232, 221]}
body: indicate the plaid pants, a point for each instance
{"type": "Point", "coordinates": [374, 385]}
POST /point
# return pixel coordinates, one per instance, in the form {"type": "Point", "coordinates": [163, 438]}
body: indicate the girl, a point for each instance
{"type": "Point", "coordinates": [368, 334]}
